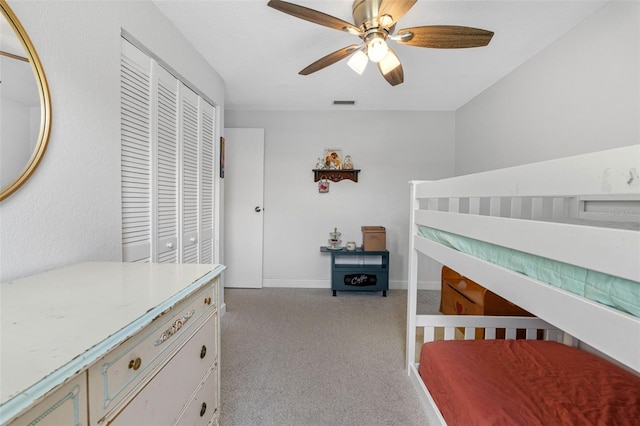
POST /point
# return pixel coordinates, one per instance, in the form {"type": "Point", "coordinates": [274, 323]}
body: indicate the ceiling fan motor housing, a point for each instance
{"type": "Point", "coordinates": [374, 27]}
{"type": "Point", "coordinates": [365, 14]}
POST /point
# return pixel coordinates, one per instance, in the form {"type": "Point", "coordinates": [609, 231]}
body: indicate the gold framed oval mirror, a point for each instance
{"type": "Point", "coordinates": [25, 109]}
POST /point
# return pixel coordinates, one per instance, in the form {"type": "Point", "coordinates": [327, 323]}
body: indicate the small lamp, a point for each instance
{"type": "Point", "coordinates": [389, 63]}
{"type": "Point", "coordinates": [377, 48]}
{"type": "Point", "coordinates": [358, 62]}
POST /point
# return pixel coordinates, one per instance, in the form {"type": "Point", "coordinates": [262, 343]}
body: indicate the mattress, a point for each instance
{"type": "Point", "coordinates": [518, 382]}
{"type": "Point", "coordinates": [612, 291]}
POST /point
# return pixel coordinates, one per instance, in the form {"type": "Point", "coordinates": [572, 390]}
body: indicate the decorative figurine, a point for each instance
{"type": "Point", "coordinates": [334, 241]}
{"type": "Point", "coordinates": [347, 163]}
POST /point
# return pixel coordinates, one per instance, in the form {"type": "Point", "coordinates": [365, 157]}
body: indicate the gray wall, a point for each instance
{"type": "Point", "coordinates": [390, 148]}
{"type": "Point", "coordinates": [581, 94]}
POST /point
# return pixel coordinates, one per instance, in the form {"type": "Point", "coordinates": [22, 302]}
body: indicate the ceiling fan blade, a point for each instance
{"type": "Point", "coordinates": [313, 16]}
{"type": "Point", "coordinates": [391, 68]}
{"type": "Point", "coordinates": [396, 9]}
{"type": "Point", "coordinates": [444, 37]}
{"type": "Point", "coordinates": [330, 59]}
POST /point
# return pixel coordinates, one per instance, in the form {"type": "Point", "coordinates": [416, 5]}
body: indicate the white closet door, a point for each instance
{"type": "Point", "coordinates": [207, 148]}
{"type": "Point", "coordinates": [166, 183]}
{"type": "Point", "coordinates": [189, 129]}
{"type": "Point", "coordinates": [168, 152]}
{"type": "Point", "coordinates": [136, 154]}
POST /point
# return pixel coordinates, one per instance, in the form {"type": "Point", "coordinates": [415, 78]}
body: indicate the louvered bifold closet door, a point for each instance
{"type": "Point", "coordinates": [167, 168]}
{"type": "Point", "coordinates": [207, 147]}
{"type": "Point", "coordinates": [135, 154]}
{"type": "Point", "coordinates": [189, 130]}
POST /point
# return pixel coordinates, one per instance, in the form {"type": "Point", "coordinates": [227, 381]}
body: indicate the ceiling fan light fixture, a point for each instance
{"type": "Point", "coordinates": [389, 63]}
{"type": "Point", "coordinates": [358, 62]}
{"type": "Point", "coordinates": [377, 48]}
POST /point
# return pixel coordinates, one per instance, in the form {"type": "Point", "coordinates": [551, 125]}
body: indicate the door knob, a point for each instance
{"type": "Point", "coordinates": [258, 209]}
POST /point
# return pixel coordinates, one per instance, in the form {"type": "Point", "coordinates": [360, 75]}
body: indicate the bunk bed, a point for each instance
{"type": "Point", "coordinates": [560, 239]}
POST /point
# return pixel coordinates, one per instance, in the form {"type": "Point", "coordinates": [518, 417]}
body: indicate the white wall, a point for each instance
{"type": "Point", "coordinates": [390, 148]}
{"type": "Point", "coordinates": [69, 211]}
{"type": "Point", "coordinates": [581, 94]}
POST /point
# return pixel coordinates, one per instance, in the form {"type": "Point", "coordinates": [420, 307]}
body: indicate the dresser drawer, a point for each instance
{"type": "Point", "coordinates": [125, 368]}
{"type": "Point", "coordinates": [472, 291]}
{"type": "Point", "coordinates": [203, 408]}
{"type": "Point", "coordinates": [165, 395]}
{"type": "Point", "coordinates": [65, 406]}
{"type": "Point", "coordinates": [360, 279]}
{"type": "Point", "coordinates": [462, 296]}
{"type": "Point", "coordinates": [453, 302]}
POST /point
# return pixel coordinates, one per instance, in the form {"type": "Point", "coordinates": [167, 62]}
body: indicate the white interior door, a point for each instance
{"type": "Point", "coordinates": [243, 206]}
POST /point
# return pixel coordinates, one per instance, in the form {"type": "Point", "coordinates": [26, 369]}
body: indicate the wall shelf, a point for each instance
{"type": "Point", "coordinates": [335, 175]}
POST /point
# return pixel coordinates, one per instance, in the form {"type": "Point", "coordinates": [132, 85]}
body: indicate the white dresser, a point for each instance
{"type": "Point", "coordinates": [111, 343]}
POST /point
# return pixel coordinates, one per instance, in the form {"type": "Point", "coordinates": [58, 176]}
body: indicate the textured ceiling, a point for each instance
{"type": "Point", "coordinates": [258, 51]}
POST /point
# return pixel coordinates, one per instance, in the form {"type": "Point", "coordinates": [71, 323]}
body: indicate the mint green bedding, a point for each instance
{"type": "Point", "coordinates": [612, 291]}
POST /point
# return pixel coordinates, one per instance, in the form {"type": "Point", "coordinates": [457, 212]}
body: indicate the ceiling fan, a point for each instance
{"type": "Point", "coordinates": [374, 23]}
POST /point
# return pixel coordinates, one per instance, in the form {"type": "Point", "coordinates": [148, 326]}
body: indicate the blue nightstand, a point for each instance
{"type": "Point", "coordinates": [359, 270]}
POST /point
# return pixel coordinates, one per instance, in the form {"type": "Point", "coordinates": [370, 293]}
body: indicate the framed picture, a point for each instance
{"type": "Point", "coordinates": [333, 159]}
{"type": "Point", "coordinates": [222, 157]}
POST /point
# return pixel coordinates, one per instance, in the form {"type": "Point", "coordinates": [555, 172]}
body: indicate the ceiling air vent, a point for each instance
{"type": "Point", "coordinates": [344, 102]}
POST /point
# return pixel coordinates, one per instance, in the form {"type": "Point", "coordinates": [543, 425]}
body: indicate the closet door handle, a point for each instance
{"type": "Point", "coordinates": [203, 352]}
{"type": "Point", "coordinates": [203, 409]}
{"type": "Point", "coordinates": [258, 209]}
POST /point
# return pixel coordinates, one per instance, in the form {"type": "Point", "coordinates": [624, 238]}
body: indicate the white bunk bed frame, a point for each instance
{"type": "Point", "coordinates": [501, 207]}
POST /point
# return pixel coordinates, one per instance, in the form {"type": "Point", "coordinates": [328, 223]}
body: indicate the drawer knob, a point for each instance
{"type": "Point", "coordinates": [135, 363]}
{"type": "Point", "coordinates": [203, 409]}
{"type": "Point", "coordinates": [207, 300]}
{"type": "Point", "coordinates": [203, 351]}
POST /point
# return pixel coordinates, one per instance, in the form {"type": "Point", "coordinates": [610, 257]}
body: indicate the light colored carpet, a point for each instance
{"type": "Point", "coordinates": [302, 357]}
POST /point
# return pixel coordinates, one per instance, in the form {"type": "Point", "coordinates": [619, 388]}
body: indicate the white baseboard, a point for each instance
{"type": "Point", "coordinates": [393, 285]}
{"type": "Point", "coordinates": [279, 283]}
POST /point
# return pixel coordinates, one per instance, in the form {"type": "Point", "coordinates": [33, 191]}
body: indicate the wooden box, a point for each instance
{"type": "Point", "coordinates": [374, 238]}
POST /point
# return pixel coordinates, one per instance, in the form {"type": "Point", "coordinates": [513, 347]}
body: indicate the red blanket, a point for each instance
{"type": "Point", "coordinates": [525, 382]}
